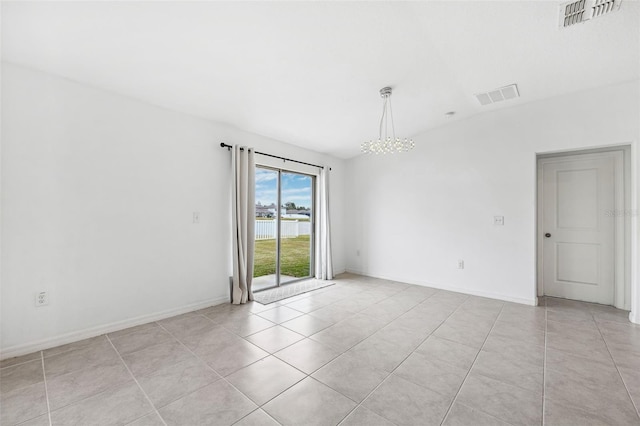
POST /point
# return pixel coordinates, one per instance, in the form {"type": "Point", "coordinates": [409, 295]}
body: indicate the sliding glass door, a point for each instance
{"type": "Point", "coordinates": [284, 227]}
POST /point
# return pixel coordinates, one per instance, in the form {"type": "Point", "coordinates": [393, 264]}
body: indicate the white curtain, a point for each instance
{"type": "Point", "coordinates": [243, 213]}
{"type": "Point", "coordinates": [324, 267]}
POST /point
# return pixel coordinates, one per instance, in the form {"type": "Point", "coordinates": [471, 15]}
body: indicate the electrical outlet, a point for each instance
{"type": "Point", "coordinates": [461, 264]}
{"type": "Point", "coordinates": [498, 220]}
{"type": "Point", "coordinates": [42, 299]}
{"type": "Point", "coordinates": [196, 217]}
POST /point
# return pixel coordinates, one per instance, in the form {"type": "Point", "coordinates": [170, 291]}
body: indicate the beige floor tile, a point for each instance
{"type": "Point", "coordinates": [230, 358]}
{"type": "Point", "coordinates": [509, 370]}
{"type": "Point", "coordinates": [581, 345]}
{"type": "Point", "coordinates": [461, 415]}
{"type": "Point", "coordinates": [98, 340]}
{"type": "Point", "coordinates": [405, 403]}
{"type": "Point", "coordinates": [557, 414]}
{"type": "Point", "coordinates": [385, 311]}
{"type": "Point", "coordinates": [80, 384]}
{"type": "Point", "coordinates": [187, 325]}
{"type": "Point", "coordinates": [467, 335]}
{"type": "Point", "coordinates": [21, 375]}
{"type": "Point", "coordinates": [256, 307]}
{"type": "Point", "coordinates": [607, 400]}
{"type": "Point", "coordinates": [331, 314]}
{"type": "Point", "coordinates": [247, 325]}
{"type": "Point", "coordinates": [217, 404]}
{"type": "Point", "coordinates": [257, 418]}
{"type": "Point", "coordinates": [340, 337]}
{"type": "Point", "coordinates": [140, 339]}
{"type": "Point", "coordinates": [210, 340]}
{"type": "Point", "coordinates": [557, 320]}
{"type": "Point", "coordinates": [396, 333]}
{"type": "Point", "coordinates": [349, 376]}
{"type": "Point", "coordinates": [589, 371]}
{"type": "Point", "coordinates": [515, 349]}
{"type": "Point", "coordinates": [99, 352]}
{"type": "Point", "coordinates": [417, 321]}
{"type": "Point", "coordinates": [307, 305]}
{"type": "Point", "coordinates": [355, 304]}
{"type": "Point", "coordinates": [38, 421]}
{"type": "Point", "coordinates": [470, 319]}
{"type": "Point", "coordinates": [504, 401]}
{"type": "Point", "coordinates": [275, 338]}
{"type": "Point", "coordinates": [149, 420]}
{"type": "Point", "coordinates": [22, 404]}
{"type": "Point", "coordinates": [20, 359]}
{"type": "Point", "coordinates": [524, 332]}
{"type": "Point", "coordinates": [309, 403]}
{"type": "Point", "coordinates": [307, 355]}
{"type": "Point", "coordinates": [432, 374]}
{"type": "Point", "coordinates": [153, 358]}
{"type": "Point", "coordinates": [381, 354]}
{"type": "Point", "coordinates": [227, 311]}
{"type": "Point", "coordinates": [448, 351]}
{"type": "Point", "coordinates": [135, 329]}
{"type": "Point", "coordinates": [625, 356]}
{"type": "Point", "coordinates": [631, 378]}
{"type": "Point", "coordinates": [172, 382]}
{"type": "Point", "coordinates": [434, 310]}
{"type": "Point", "coordinates": [265, 379]}
{"type": "Point", "coordinates": [119, 405]}
{"type": "Point", "coordinates": [306, 325]}
{"type": "Point", "coordinates": [363, 417]}
{"type": "Point", "coordinates": [280, 314]}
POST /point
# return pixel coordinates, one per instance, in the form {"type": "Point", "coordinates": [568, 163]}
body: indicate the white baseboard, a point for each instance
{"type": "Point", "coordinates": [634, 317]}
{"type": "Point", "coordinates": [490, 295]}
{"type": "Point", "coordinates": [52, 342]}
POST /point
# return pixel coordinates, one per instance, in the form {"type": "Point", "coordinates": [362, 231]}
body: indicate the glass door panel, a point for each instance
{"type": "Point", "coordinates": [295, 226]}
{"type": "Point", "coordinates": [266, 229]}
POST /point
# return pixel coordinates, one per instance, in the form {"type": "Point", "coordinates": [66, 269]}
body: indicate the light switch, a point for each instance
{"type": "Point", "coordinates": [498, 220]}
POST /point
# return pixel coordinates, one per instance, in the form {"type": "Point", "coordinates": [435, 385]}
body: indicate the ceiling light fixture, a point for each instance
{"type": "Point", "coordinates": [388, 144]}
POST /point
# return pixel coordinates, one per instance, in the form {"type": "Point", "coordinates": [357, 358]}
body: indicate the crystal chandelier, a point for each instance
{"type": "Point", "coordinates": [388, 144]}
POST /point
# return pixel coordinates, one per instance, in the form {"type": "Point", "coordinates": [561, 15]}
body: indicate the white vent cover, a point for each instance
{"type": "Point", "coordinates": [575, 12]}
{"type": "Point", "coordinates": [497, 95]}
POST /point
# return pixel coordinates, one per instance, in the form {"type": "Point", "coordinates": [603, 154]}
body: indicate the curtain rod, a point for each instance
{"type": "Point", "coordinates": [224, 145]}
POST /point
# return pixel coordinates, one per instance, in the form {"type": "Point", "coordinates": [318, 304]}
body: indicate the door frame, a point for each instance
{"type": "Point", "coordinates": [312, 220]}
{"type": "Point", "coordinates": [622, 230]}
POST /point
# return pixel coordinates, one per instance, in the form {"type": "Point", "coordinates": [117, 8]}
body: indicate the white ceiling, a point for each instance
{"type": "Point", "coordinates": [308, 73]}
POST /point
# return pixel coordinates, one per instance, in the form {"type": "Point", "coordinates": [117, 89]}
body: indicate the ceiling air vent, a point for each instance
{"type": "Point", "coordinates": [497, 95]}
{"type": "Point", "coordinates": [575, 12]}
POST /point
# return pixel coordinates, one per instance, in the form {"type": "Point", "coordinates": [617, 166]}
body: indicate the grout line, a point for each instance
{"type": "Point", "coordinates": [46, 390]}
{"type": "Point", "coordinates": [471, 368]}
{"type": "Point", "coordinates": [212, 369]}
{"type": "Point", "coordinates": [136, 380]}
{"type": "Point", "coordinates": [615, 364]}
{"type": "Point", "coordinates": [404, 359]}
{"type": "Point", "coordinates": [258, 406]}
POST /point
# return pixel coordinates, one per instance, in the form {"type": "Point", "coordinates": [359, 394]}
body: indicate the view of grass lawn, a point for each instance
{"type": "Point", "coordinates": [294, 257]}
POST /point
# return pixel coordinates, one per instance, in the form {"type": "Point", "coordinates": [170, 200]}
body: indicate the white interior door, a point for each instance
{"type": "Point", "coordinates": [578, 198]}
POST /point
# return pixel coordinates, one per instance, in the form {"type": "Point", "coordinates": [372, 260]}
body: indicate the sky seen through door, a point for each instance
{"type": "Point", "coordinates": [296, 188]}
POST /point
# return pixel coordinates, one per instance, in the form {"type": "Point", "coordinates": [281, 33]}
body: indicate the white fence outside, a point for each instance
{"type": "Point", "coordinates": [266, 229]}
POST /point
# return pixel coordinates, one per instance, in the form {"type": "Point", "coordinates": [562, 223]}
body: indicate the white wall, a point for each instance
{"type": "Point", "coordinates": [412, 216]}
{"type": "Point", "coordinates": [98, 192]}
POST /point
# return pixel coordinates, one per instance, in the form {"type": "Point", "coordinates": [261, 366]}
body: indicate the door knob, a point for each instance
{"type": "Point", "coordinates": [547, 235]}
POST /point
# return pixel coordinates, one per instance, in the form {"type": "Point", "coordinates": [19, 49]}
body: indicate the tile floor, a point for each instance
{"type": "Point", "coordinates": [362, 352]}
